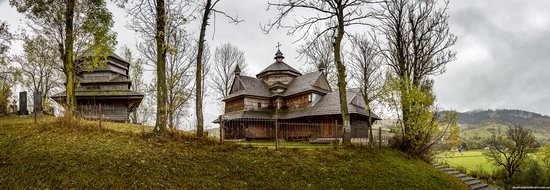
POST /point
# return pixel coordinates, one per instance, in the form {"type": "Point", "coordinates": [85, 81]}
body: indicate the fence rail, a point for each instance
{"type": "Point", "coordinates": [273, 133]}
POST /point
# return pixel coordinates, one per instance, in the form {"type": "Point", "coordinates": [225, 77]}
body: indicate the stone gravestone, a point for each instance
{"type": "Point", "coordinates": [37, 103]}
{"type": "Point", "coordinates": [23, 103]}
{"type": "Point", "coordinates": [12, 108]}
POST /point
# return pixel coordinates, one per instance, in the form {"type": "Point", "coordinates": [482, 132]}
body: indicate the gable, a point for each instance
{"type": "Point", "coordinates": [357, 99]}
{"type": "Point", "coordinates": [308, 82]}
{"type": "Point", "coordinates": [322, 82]}
{"type": "Point", "coordinates": [236, 85]}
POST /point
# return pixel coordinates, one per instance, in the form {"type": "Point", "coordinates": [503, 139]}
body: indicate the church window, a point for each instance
{"type": "Point", "coordinates": [315, 98]}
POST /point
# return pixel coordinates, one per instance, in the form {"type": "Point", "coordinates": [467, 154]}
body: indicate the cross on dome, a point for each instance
{"type": "Point", "coordinates": [279, 55]}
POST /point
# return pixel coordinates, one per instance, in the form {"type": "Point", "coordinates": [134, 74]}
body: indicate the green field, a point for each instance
{"type": "Point", "coordinates": [472, 160]}
{"type": "Point", "coordinates": [56, 154]}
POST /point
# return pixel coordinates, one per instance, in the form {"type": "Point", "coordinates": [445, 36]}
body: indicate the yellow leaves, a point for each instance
{"type": "Point", "coordinates": [544, 154]}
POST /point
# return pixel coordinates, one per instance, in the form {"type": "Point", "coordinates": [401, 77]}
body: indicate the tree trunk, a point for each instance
{"type": "Point", "coordinates": [371, 137]}
{"type": "Point", "coordinates": [405, 113]}
{"type": "Point", "coordinates": [342, 77]}
{"type": "Point", "coordinates": [69, 62]}
{"type": "Point", "coordinates": [171, 119]}
{"type": "Point", "coordinates": [135, 116]}
{"type": "Point", "coordinates": [160, 125]}
{"type": "Point", "coordinates": [198, 78]}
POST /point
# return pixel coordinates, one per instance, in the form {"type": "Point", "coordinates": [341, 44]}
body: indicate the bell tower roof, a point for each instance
{"type": "Point", "coordinates": [279, 66]}
{"type": "Point", "coordinates": [237, 70]}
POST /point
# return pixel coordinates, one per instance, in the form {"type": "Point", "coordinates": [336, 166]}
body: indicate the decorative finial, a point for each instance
{"type": "Point", "coordinates": [279, 55]}
{"type": "Point", "coordinates": [321, 67]}
{"type": "Point", "coordinates": [237, 70]}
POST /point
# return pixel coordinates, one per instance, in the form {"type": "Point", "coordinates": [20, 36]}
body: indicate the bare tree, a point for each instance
{"type": "Point", "coordinates": [6, 70]}
{"type": "Point", "coordinates": [157, 22]}
{"type": "Point", "coordinates": [367, 73]}
{"type": "Point", "coordinates": [136, 76]}
{"type": "Point", "coordinates": [39, 67]}
{"type": "Point", "coordinates": [5, 40]}
{"type": "Point", "coordinates": [208, 8]}
{"type": "Point", "coordinates": [149, 103]}
{"type": "Point", "coordinates": [417, 45]}
{"type": "Point", "coordinates": [418, 38]}
{"type": "Point", "coordinates": [179, 68]}
{"type": "Point", "coordinates": [320, 54]}
{"type": "Point", "coordinates": [179, 74]}
{"type": "Point", "coordinates": [333, 17]}
{"type": "Point", "coordinates": [227, 58]}
{"type": "Point", "coordinates": [511, 152]}
{"type": "Point", "coordinates": [206, 71]}
{"type": "Point", "coordinates": [75, 26]}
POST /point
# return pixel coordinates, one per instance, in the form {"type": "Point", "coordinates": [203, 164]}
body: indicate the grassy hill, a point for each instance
{"type": "Point", "coordinates": [120, 156]}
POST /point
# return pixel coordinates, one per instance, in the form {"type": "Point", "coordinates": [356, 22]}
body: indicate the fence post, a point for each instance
{"type": "Point", "coordinates": [276, 134]}
{"type": "Point", "coordinates": [100, 115]}
{"type": "Point", "coordinates": [336, 134]}
{"type": "Point", "coordinates": [379, 137]}
{"type": "Point", "coordinates": [221, 130]}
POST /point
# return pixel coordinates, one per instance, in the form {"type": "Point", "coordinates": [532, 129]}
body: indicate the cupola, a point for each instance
{"type": "Point", "coordinates": [278, 72]}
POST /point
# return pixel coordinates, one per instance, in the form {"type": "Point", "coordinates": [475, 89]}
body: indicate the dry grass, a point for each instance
{"type": "Point", "coordinates": [63, 154]}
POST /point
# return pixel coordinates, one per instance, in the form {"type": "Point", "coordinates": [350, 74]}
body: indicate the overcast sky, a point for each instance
{"type": "Point", "coordinates": [503, 50]}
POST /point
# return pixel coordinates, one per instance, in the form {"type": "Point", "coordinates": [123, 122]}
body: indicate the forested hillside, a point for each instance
{"type": "Point", "coordinates": [504, 117]}
{"type": "Point", "coordinates": [478, 125]}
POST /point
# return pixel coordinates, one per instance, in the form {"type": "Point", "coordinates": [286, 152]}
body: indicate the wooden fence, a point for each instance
{"type": "Point", "coordinates": [284, 134]}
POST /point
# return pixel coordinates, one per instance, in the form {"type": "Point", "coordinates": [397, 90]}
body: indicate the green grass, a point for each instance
{"type": "Point", "coordinates": [471, 160]}
{"type": "Point", "coordinates": [120, 156]}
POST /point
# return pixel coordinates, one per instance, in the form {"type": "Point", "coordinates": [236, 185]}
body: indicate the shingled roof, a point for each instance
{"type": "Point", "coordinates": [102, 93]}
{"type": "Point", "coordinates": [256, 87]}
{"type": "Point", "coordinates": [279, 66]}
{"type": "Point", "coordinates": [118, 57]}
{"type": "Point", "coordinates": [252, 87]}
{"type": "Point", "coordinates": [117, 79]}
{"type": "Point", "coordinates": [305, 83]}
{"type": "Point", "coordinates": [329, 104]}
{"type": "Point", "coordinates": [90, 53]}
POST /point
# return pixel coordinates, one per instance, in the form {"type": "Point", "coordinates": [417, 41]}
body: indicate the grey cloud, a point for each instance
{"type": "Point", "coordinates": [503, 50]}
{"type": "Point", "coordinates": [514, 73]}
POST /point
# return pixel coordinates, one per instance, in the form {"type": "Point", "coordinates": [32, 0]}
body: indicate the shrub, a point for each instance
{"type": "Point", "coordinates": [532, 175]}
{"type": "Point", "coordinates": [481, 173]}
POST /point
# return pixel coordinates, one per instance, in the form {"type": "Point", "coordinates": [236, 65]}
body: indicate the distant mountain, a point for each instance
{"type": "Point", "coordinates": [503, 117]}
{"type": "Point", "coordinates": [482, 124]}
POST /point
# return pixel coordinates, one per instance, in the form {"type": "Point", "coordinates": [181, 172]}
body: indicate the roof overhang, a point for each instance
{"type": "Point", "coordinates": [273, 72]}
{"type": "Point", "coordinates": [245, 96]}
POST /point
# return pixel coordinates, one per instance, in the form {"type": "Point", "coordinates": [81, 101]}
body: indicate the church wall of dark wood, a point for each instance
{"type": "Point", "coordinates": [234, 105]}
{"type": "Point", "coordinates": [109, 110]}
{"type": "Point", "coordinates": [300, 101]}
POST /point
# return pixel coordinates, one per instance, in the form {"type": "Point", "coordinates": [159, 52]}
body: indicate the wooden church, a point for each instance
{"type": "Point", "coordinates": [105, 91]}
{"type": "Point", "coordinates": [283, 93]}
